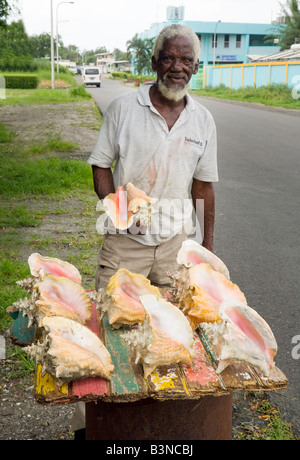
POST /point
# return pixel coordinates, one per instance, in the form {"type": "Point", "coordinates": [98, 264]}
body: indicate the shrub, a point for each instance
{"type": "Point", "coordinates": [80, 91]}
{"type": "Point", "coordinates": [20, 81]}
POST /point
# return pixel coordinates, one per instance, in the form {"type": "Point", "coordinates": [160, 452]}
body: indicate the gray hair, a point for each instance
{"type": "Point", "coordinates": [175, 30]}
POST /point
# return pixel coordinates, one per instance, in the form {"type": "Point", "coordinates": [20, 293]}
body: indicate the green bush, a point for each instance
{"type": "Point", "coordinates": [80, 91]}
{"type": "Point", "coordinates": [20, 81]}
{"type": "Point", "coordinates": [132, 77]}
{"type": "Point", "coordinates": [120, 75]}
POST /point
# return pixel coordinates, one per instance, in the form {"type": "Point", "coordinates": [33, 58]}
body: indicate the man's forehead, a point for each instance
{"type": "Point", "coordinates": [178, 42]}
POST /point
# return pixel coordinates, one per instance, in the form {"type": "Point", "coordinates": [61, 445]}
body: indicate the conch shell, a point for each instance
{"type": "Point", "coordinates": [129, 205]}
{"type": "Point", "coordinates": [201, 290]}
{"type": "Point", "coordinates": [41, 265]}
{"type": "Point", "coordinates": [164, 338]}
{"type": "Point", "coordinates": [192, 253]}
{"type": "Point", "coordinates": [55, 296]}
{"type": "Point", "coordinates": [70, 351]}
{"type": "Point", "coordinates": [243, 336]}
{"type": "Point", "coordinates": [121, 301]}
{"type": "Point", "coordinates": [59, 296]}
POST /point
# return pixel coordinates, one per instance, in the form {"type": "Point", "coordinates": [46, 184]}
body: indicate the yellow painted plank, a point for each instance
{"type": "Point", "coordinates": [168, 380]}
{"type": "Point", "coordinates": [46, 384]}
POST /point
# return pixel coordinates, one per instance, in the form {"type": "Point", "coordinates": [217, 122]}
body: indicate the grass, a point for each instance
{"type": "Point", "coordinates": [53, 144]}
{"type": "Point", "coordinates": [66, 90]}
{"type": "Point", "coordinates": [39, 96]}
{"type": "Point", "coordinates": [274, 95]}
{"type": "Point", "coordinates": [40, 185]}
{"type": "Point", "coordinates": [49, 177]}
{"type": "Point", "coordinates": [21, 365]}
{"type": "Point", "coordinates": [11, 271]}
{"type": "Point", "coordinates": [6, 134]}
{"type": "Point", "coordinates": [19, 216]}
{"type": "Point", "coordinates": [267, 423]}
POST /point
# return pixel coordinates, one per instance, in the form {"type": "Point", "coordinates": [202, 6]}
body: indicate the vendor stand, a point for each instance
{"type": "Point", "coordinates": [174, 402]}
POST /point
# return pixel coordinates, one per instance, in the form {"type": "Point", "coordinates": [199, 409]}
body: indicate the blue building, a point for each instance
{"type": "Point", "coordinates": [223, 42]}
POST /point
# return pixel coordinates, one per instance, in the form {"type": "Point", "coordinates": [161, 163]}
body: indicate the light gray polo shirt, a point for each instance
{"type": "Point", "coordinates": [160, 162]}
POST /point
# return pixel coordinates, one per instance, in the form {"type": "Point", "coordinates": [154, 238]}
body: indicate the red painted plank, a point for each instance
{"type": "Point", "coordinates": [201, 372]}
{"type": "Point", "coordinates": [91, 385]}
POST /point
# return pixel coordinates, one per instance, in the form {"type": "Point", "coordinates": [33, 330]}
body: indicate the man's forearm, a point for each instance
{"type": "Point", "coordinates": [205, 191]}
{"type": "Point", "coordinates": [103, 181]}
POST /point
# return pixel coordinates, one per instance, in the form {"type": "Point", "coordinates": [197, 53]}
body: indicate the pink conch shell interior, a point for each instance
{"type": "Point", "coordinates": [253, 326]}
{"type": "Point", "coordinates": [122, 205]}
{"type": "Point", "coordinates": [53, 266]}
{"type": "Point", "coordinates": [71, 351]}
{"type": "Point", "coordinates": [192, 253]}
{"type": "Point", "coordinates": [63, 297]}
{"type": "Point", "coordinates": [215, 284]}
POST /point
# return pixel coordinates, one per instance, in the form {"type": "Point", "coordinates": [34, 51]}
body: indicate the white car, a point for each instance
{"type": "Point", "coordinates": [73, 69]}
{"type": "Point", "coordinates": [91, 76]}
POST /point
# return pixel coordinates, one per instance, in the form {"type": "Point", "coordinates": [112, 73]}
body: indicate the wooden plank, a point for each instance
{"type": "Point", "coordinates": [240, 377]}
{"type": "Point", "coordinates": [201, 377]}
{"type": "Point", "coordinates": [126, 383]}
{"type": "Point", "coordinates": [20, 333]}
{"type": "Point", "coordinates": [243, 376]}
{"type": "Point", "coordinates": [164, 383]}
{"type": "Point", "coordinates": [167, 382]}
{"type": "Point", "coordinates": [46, 389]}
{"type": "Point", "coordinates": [91, 386]}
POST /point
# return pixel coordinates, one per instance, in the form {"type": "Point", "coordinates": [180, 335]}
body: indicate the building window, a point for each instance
{"type": "Point", "coordinates": [226, 41]}
{"type": "Point", "coordinates": [238, 41]}
{"type": "Point", "coordinates": [215, 43]}
{"type": "Point", "coordinates": [258, 40]}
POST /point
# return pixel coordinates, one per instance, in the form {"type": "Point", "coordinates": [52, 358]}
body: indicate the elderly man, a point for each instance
{"type": "Point", "coordinates": [164, 143]}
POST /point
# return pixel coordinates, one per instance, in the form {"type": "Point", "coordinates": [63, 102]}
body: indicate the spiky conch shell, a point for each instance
{"type": "Point", "coordinates": [120, 302]}
{"type": "Point", "coordinates": [70, 351]}
{"type": "Point", "coordinates": [129, 205]}
{"type": "Point", "coordinates": [164, 338]}
{"type": "Point", "coordinates": [243, 337]}
{"type": "Point", "coordinates": [55, 296]}
{"type": "Point", "coordinates": [198, 303]}
{"type": "Point", "coordinates": [42, 265]}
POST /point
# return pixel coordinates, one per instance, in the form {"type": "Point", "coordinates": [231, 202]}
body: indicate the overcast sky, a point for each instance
{"type": "Point", "coordinates": [111, 23]}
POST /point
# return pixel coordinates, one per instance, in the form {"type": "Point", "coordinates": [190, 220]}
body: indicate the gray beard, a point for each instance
{"type": "Point", "coordinates": [172, 94]}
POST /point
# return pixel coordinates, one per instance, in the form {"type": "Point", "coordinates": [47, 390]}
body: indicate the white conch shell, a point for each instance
{"type": "Point", "coordinates": [121, 301]}
{"type": "Point", "coordinates": [242, 337]}
{"type": "Point", "coordinates": [129, 205]}
{"type": "Point", "coordinates": [201, 290]}
{"type": "Point", "coordinates": [164, 338]}
{"type": "Point", "coordinates": [192, 253]}
{"type": "Point", "coordinates": [70, 351]}
{"type": "Point", "coordinates": [58, 296]}
{"type": "Point", "coordinates": [41, 265]}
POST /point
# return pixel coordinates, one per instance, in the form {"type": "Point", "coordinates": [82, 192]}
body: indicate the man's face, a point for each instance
{"type": "Point", "coordinates": [175, 66]}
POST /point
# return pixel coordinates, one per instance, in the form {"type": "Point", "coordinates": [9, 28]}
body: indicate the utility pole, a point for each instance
{"type": "Point", "coordinates": [215, 39]}
{"type": "Point", "coordinates": [52, 48]}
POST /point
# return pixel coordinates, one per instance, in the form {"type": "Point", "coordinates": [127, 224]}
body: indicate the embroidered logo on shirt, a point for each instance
{"type": "Point", "coordinates": [194, 141]}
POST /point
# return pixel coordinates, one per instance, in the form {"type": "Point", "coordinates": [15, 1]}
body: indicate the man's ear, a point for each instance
{"type": "Point", "coordinates": [196, 67]}
{"type": "Point", "coordinates": [154, 64]}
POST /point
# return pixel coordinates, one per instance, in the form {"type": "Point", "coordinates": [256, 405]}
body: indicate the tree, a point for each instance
{"type": "Point", "coordinates": [15, 50]}
{"type": "Point", "coordinates": [120, 55]}
{"type": "Point", "coordinates": [40, 45]}
{"type": "Point", "coordinates": [290, 31]}
{"type": "Point", "coordinates": [6, 8]}
{"type": "Point", "coordinates": [141, 50]}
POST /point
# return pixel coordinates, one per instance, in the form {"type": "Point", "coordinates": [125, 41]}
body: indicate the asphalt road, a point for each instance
{"type": "Point", "coordinates": [257, 219]}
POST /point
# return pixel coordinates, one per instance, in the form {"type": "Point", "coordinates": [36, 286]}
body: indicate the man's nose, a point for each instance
{"type": "Point", "coordinates": [177, 64]}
